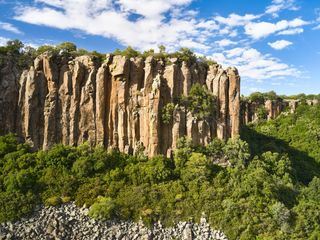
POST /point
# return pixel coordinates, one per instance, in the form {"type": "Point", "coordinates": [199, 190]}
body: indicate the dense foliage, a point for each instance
{"type": "Point", "coordinates": [183, 55]}
{"type": "Point", "coordinates": [24, 55]}
{"type": "Point", "coordinates": [200, 103]}
{"type": "Point", "coordinates": [260, 97]}
{"type": "Point", "coordinates": [271, 193]}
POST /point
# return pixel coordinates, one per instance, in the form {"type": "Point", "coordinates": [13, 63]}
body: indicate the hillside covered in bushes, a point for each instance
{"type": "Point", "coordinates": [266, 185]}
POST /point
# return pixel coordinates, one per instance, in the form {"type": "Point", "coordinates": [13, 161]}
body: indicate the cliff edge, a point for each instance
{"type": "Point", "coordinates": [117, 104]}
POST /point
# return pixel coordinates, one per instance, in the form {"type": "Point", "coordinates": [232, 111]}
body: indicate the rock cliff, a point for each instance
{"type": "Point", "coordinates": [273, 108]}
{"type": "Point", "coordinates": [116, 104]}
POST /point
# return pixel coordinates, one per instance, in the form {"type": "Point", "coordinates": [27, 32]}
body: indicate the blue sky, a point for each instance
{"type": "Point", "coordinates": [273, 43]}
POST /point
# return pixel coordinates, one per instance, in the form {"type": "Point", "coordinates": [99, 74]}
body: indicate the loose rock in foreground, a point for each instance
{"type": "Point", "coordinates": [70, 222]}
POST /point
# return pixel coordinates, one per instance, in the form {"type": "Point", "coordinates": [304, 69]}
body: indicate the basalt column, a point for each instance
{"type": "Point", "coordinates": [117, 103]}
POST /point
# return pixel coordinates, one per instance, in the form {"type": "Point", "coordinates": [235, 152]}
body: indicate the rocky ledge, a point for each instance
{"type": "Point", "coordinates": [70, 222]}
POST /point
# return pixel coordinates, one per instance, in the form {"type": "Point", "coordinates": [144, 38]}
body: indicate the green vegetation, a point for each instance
{"type": "Point", "coordinates": [269, 190]}
{"type": "Point", "coordinates": [167, 113]}
{"type": "Point", "coordinates": [17, 52]}
{"type": "Point", "coordinates": [260, 97]}
{"type": "Point", "coordinates": [269, 187]}
{"type": "Point", "coordinates": [200, 102]}
{"type": "Point", "coordinates": [262, 113]}
{"type": "Point", "coordinates": [183, 55]}
{"type": "Point", "coordinates": [24, 55]}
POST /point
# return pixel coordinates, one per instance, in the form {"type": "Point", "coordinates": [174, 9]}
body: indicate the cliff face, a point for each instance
{"type": "Point", "coordinates": [273, 108]}
{"type": "Point", "coordinates": [117, 104]}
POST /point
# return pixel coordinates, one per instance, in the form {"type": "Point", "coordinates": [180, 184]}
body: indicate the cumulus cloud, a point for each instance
{"type": "Point", "coordinates": [281, 44]}
{"type": "Point", "coordinates": [225, 42]}
{"type": "Point", "coordinates": [258, 30]}
{"type": "Point", "coordinates": [145, 24]}
{"type": "Point", "coordinates": [292, 31]}
{"type": "Point", "coordinates": [279, 5]}
{"type": "Point", "coordinates": [252, 64]}
{"type": "Point", "coordinates": [234, 20]}
{"type": "Point", "coordinates": [9, 27]}
{"type": "Point", "coordinates": [142, 24]}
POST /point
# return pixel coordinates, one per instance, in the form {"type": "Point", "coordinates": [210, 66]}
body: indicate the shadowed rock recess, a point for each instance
{"type": "Point", "coordinates": [117, 104]}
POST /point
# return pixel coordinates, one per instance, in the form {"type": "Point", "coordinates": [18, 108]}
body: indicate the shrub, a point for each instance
{"type": "Point", "coordinates": [14, 205]}
{"type": "Point", "coordinates": [104, 208]}
{"type": "Point", "coordinates": [83, 166]}
{"type": "Point", "coordinates": [88, 191]}
{"type": "Point", "coordinates": [200, 102]}
{"type": "Point", "coordinates": [262, 113]}
{"type": "Point", "coordinates": [237, 151]}
{"type": "Point", "coordinates": [183, 152]}
{"type": "Point", "coordinates": [53, 201]}
{"type": "Point", "coordinates": [167, 113]}
{"type": "Point", "coordinates": [197, 168]}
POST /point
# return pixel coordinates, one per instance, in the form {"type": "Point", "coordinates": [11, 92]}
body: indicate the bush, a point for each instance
{"type": "Point", "coordinates": [104, 208]}
{"type": "Point", "coordinates": [53, 201]}
{"type": "Point", "coordinates": [83, 167]}
{"type": "Point", "coordinates": [197, 168]}
{"type": "Point", "coordinates": [200, 102]}
{"type": "Point", "coordinates": [14, 205]}
{"type": "Point", "coordinates": [167, 113]}
{"type": "Point", "coordinates": [237, 151]}
{"type": "Point", "coordinates": [262, 113]}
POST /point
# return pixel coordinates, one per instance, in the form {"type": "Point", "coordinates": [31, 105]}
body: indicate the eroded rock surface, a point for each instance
{"type": "Point", "coordinates": [117, 104]}
{"type": "Point", "coordinates": [274, 108]}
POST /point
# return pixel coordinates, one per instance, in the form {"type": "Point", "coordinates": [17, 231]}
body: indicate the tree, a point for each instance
{"type": "Point", "coordinates": [46, 48]}
{"type": "Point", "coordinates": [67, 47]}
{"type": "Point", "coordinates": [196, 168]}
{"type": "Point", "coordinates": [162, 49]}
{"type": "Point", "coordinates": [200, 102]}
{"type": "Point", "coordinates": [183, 151]}
{"type": "Point", "coordinates": [237, 151]}
{"type": "Point", "coordinates": [262, 113]}
{"type": "Point", "coordinates": [167, 113]}
{"type": "Point", "coordinates": [257, 97]}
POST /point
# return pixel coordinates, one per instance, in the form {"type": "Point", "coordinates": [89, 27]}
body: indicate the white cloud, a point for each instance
{"type": "Point", "coordinates": [317, 21]}
{"type": "Point", "coordinates": [234, 20]}
{"type": "Point", "coordinates": [281, 44]}
{"type": "Point", "coordinates": [258, 30]}
{"type": "Point", "coordinates": [252, 64]}
{"type": "Point", "coordinates": [9, 27]}
{"type": "Point", "coordinates": [292, 31]}
{"type": "Point", "coordinates": [279, 5]}
{"type": "Point", "coordinates": [225, 42]}
{"type": "Point", "coordinates": [3, 41]}
{"type": "Point", "coordinates": [142, 24]}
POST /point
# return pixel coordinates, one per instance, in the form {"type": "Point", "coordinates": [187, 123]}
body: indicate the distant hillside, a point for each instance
{"type": "Point", "coordinates": [296, 134]}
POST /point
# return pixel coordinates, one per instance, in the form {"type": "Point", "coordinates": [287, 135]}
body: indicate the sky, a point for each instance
{"type": "Point", "coordinates": [275, 44]}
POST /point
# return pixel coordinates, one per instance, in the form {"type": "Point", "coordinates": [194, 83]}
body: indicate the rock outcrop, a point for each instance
{"type": "Point", "coordinates": [117, 104]}
{"type": "Point", "coordinates": [273, 108]}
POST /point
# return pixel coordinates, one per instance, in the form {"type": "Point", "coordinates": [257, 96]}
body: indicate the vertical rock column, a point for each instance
{"type": "Point", "coordinates": [87, 107]}
{"type": "Point", "coordinates": [9, 95]}
{"type": "Point", "coordinates": [223, 98]}
{"type": "Point", "coordinates": [136, 83]}
{"type": "Point", "coordinates": [101, 100]}
{"type": "Point", "coordinates": [50, 71]}
{"type": "Point", "coordinates": [234, 102]}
